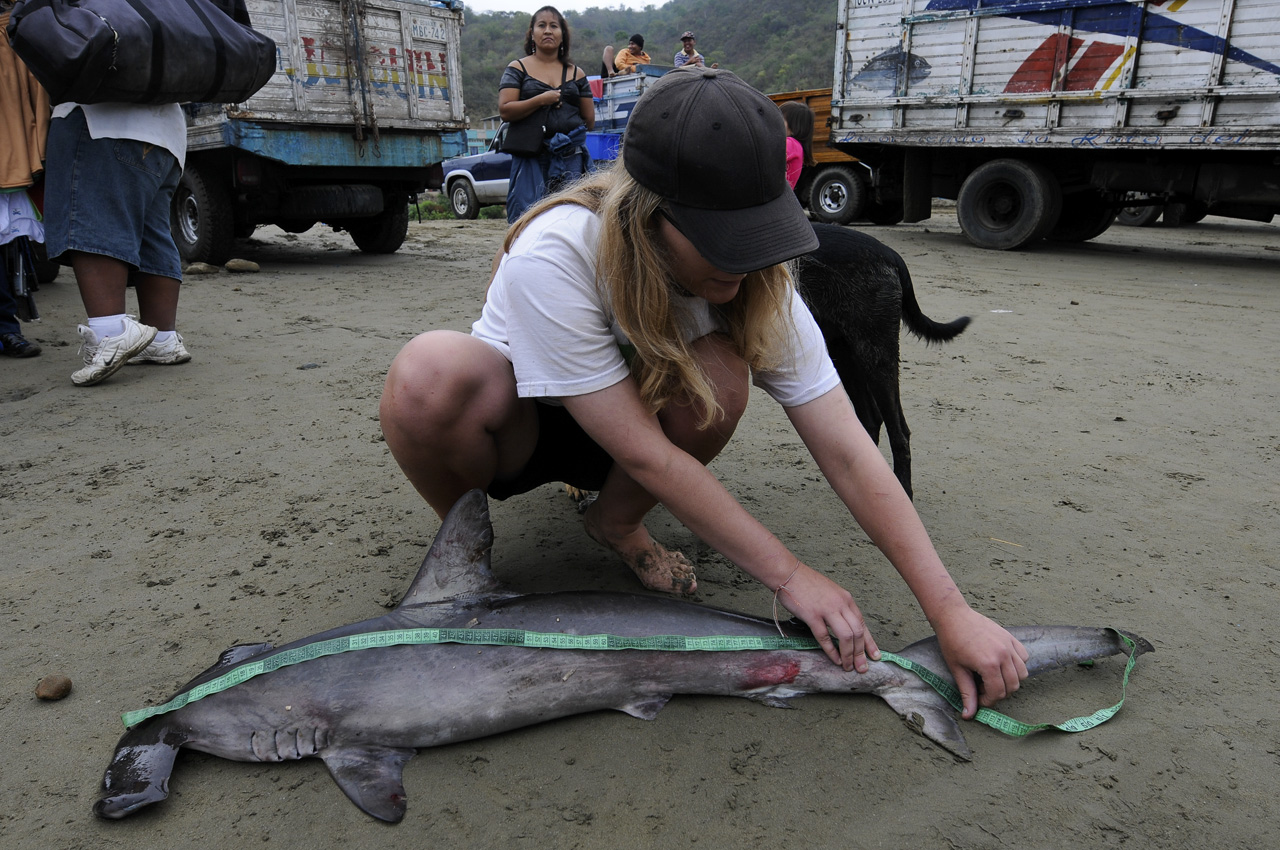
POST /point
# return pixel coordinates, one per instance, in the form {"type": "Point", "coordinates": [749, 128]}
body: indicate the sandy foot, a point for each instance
{"type": "Point", "coordinates": [657, 567]}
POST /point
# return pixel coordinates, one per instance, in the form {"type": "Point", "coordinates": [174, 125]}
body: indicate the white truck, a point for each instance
{"type": "Point", "coordinates": [1042, 118]}
{"type": "Point", "coordinates": [364, 105]}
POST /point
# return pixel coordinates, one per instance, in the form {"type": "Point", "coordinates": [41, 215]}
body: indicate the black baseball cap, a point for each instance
{"type": "Point", "coordinates": [714, 149]}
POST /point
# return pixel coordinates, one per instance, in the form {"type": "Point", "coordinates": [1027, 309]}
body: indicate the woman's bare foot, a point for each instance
{"type": "Point", "coordinates": [657, 567]}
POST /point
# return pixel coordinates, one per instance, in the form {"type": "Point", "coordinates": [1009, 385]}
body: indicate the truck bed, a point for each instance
{"type": "Point", "coordinates": [393, 67]}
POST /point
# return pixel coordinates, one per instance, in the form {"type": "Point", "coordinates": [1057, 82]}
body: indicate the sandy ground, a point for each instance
{"type": "Point", "coordinates": [1101, 447]}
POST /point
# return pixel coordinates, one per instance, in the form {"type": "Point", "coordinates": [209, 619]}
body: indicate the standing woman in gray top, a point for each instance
{"type": "Point", "coordinates": [546, 77]}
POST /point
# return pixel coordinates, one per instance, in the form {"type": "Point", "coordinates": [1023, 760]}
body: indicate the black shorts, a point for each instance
{"type": "Point", "coordinates": [563, 453]}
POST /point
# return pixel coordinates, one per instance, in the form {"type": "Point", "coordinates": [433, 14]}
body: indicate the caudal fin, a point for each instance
{"type": "Point", "coordinates": [1049, 648]}
{"type": "Point", "coordinates": [139, 772]}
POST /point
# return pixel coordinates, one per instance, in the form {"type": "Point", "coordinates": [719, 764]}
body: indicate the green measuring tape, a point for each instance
{"type": "Point", "coordinates": [556, 640]}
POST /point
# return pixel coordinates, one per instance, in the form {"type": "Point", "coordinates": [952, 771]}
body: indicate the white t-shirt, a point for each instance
{"type": "Point", "coordinates": [546, 315]}
{"type": "Point", "coordinates": [161, 124]}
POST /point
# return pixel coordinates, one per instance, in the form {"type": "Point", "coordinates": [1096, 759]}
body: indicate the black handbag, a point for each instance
{"type": "Point", "coordinates": [526, 136]}
{"type": "Point", "coordinates": [142, 51]}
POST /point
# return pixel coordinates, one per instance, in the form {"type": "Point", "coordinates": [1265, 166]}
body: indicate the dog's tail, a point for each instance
{"type": "Point", "coordinates": [916, 321]}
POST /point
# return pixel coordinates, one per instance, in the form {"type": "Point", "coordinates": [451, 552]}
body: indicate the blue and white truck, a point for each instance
{"type": "Point", "coordinates": [1042, 118]}
{"type": "Point", "coordinates": [365, 103]}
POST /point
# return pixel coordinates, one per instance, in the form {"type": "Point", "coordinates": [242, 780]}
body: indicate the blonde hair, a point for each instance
{"type": "Point", "coordinates": [634, 275]}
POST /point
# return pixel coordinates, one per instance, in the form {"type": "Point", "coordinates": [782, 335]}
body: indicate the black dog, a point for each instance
{"type": "Point", "coordinates": [859, 290]}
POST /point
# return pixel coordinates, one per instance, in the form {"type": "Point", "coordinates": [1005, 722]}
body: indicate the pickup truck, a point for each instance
{"type": "Point", "coordinates": [479, 180]}
{"type": "Point", "coordinates": [364, 105]}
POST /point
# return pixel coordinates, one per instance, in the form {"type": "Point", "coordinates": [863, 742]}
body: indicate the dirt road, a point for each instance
{"type": "Point", "coordinates": [1102, 446]}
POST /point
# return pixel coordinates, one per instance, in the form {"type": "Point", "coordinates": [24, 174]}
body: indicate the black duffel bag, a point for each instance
{"type": "Point", "coordinates": [142, 51]}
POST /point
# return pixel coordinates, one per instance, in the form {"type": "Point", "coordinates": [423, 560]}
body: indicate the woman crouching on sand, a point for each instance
{"type": "Point", "coordinates": [626, 320]}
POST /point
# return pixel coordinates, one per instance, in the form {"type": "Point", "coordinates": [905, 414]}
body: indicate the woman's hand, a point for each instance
{"type": "Point", "coordinates": [549, 98]}
{"type": "Point", "coordinates": [829, 611]}
{"type": "Point", "coordinates": [978, 650]}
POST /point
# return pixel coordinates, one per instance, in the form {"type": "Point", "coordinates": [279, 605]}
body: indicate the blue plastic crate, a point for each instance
{"type": "Point", "coordinates": [604, 146]}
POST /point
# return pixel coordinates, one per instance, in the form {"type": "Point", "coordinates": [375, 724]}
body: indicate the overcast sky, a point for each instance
{"type": "Point", "coordinates": [528, 7]}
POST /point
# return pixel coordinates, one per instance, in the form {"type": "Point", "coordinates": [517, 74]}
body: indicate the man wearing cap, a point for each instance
{"type": "Point", "coordinates": [624, 325]}
{"type": "Point", "coordinates": [627, 60]}
{"type": "Point", "coordinates": [688, 54]}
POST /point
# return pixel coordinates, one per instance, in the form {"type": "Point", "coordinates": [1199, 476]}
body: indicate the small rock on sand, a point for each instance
{"type": "Point", "coordinates": [53, 686]}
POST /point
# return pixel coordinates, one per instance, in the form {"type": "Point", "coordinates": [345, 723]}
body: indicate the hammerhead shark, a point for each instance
{"type": "Point", "coordinates": [366, 712]}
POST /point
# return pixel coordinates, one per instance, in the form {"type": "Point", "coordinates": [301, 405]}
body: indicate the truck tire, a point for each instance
{"type": "Point", "coordinates": [385, 232]}
{"type": "Point", "coordinates": [837, 195]}
{"type": "Point", "coordinates": [1139, 216]}
{"type": "Point", "coordinates": [1180, 214]}
{"type": "Point", "coordinates": [1195, 213]}
{"type": "Point", "coordinates": [333, 202]}
{"type": "Point", "coordinates": [883, 214]}
{"type": "Point", "coordinates": [462, 200]}
{"type": "Point", "coordinates": [1084, 216]}
{"type": "Point", "coordinates": [201, 219]}
{"type": "Point", "coordinates": [1006, 203]}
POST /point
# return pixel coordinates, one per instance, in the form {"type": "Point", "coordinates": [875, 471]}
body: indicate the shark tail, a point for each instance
{"type": "Point", "coordinates": [1050, 648]}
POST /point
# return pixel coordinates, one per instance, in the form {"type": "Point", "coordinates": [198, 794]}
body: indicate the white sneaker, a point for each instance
{"type": "Point", "coordinates": [104, 357]}
{"type": "Point", "coordinates": [167, 353]}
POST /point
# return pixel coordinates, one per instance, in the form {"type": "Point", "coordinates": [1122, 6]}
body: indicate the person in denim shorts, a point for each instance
{"type": "Point", "coordinates": [112, 169]}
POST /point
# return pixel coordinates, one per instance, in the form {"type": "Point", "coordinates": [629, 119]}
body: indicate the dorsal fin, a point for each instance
{"type": "Point", "coordinates": [237, 654]}
{"type": "Point", "coordinates": [458, 562]}
{"type": "Point", "coordinates": [241, 652]}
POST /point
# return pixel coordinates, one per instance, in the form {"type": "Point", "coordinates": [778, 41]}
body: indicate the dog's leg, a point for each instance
{"type": "Point", "coordinates": [895, 425]}
{"type": "Point", "coordinates": [854, 380]}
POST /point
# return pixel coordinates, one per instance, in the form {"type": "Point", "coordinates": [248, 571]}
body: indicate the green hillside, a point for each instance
{"type": "Point", "coordinates": [776, 45]}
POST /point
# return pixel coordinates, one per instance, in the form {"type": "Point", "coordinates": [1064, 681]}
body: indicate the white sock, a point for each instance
{"type": "Point", "coordinates": [163, 336]}
{"type": "Point", "coordinates": [105, 326]}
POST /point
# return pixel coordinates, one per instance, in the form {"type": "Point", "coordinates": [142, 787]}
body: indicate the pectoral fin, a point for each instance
{"type": "Point", "coordinates": [646, 707]}
{"type": "Point", "coordinates": [372, 777]}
